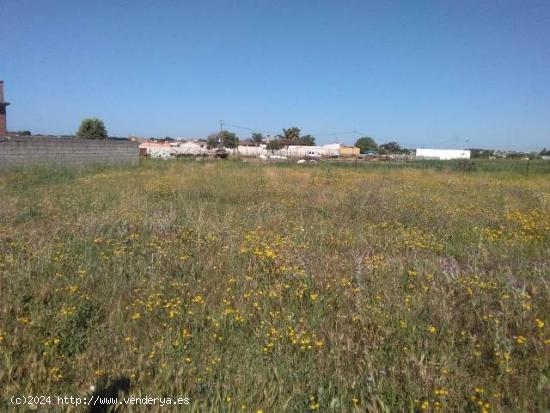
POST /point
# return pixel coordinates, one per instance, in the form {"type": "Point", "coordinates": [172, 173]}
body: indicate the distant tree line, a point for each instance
{"type": "Point", "coordinates": [477, 153]}
{"type": "Point", "coordinates": [366, 144]}
{"type": "Point", "coordinates": [290, 136]}
{"type": "Point", "coordinates": [93, 128]}
{"type": "Point", "coordinates": [293, 136]}
{"type": "Point", "coordinates": [23, 133]}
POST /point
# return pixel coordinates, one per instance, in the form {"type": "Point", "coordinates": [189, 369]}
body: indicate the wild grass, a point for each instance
{"type": "Point", "coordinates": [515, 167]}
{"type": "Point", "coordinates": [248, 287]}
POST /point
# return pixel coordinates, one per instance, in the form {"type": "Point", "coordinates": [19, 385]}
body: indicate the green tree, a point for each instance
{"type": "Point", "coordinates": [212, 141]}
{"type": "Point", "coordinates": [291, 134]}
{"type": "Point", "coordinates": [307, 140]}
{"type": "Point", "coordinates": [274, 145]}
{"type": "Point", "coordinates": [92, 128]}
{"type": "Point", "coordinates": [391, 147]}
{"type": "Point", "coordinates": [224, 139]}
{"type": "Point", "coordinates": [257, 138]}
{"type": "Point", "coordinates": [481, 153]}
{"type": "Point", "coordinates": [366, 144]}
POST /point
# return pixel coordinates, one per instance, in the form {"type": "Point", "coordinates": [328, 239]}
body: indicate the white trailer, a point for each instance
{"type": "Point", "coordinates": [442, 154]}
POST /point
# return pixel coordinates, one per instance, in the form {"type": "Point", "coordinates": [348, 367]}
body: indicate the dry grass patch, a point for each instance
{"type": "Point", "coordinates": [278, 288]}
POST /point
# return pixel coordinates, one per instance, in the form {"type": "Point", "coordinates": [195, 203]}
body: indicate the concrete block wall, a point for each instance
{"type": "Point", "coordinates": [22, 151]}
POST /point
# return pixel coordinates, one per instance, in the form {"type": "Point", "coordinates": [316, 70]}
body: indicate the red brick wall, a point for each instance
{"type": "Point", "coordinates": [3, 130]}
{"type": "Point", "coordinates": [3, 126]}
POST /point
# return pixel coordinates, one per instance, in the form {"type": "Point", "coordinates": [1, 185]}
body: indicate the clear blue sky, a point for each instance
{"type": "Point", "coordinates": [425, 73]}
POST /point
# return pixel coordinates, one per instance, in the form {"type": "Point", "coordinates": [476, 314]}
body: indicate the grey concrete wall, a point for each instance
{"type": "Point", "coordinates": [22, 151]}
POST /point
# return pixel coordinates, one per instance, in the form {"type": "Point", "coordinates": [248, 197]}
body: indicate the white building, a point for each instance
{"type": "Point", "coordinates": [325, 151]}
{"type": "Point", "coordinates": [194, 147]}
{"type": "Point", "coordinates": [166, 150]}
{"type": "Point", "coordinates": [255, 151]}
{"type": "Point", "coordinates": [442, 154]}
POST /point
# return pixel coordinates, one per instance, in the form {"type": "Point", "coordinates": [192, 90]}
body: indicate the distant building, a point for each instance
{"type": "Point", "coordinates": [252, 150]}
{"type": "Point", "coordinates": [155, 149]}
{"type": "Point", "coordinates": [3, 104]}
{"type": "Point", "coordinates": [303, 151]}
{"type": "Point", "coordinates": [167, 150]}
{"type": "Point", "coordinates": [193, 147]}
{"type": "Point", "coordinates": [298, 151]}
{"type": "Point", "coordinates": [325, 151]}
{"type": "Point", "coordinates": [442, 154]}
{"type": "Point", "coordinates": [344, 150]}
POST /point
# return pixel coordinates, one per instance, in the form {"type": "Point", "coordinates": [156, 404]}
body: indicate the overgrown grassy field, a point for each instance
{"type": "Point", "coordinates": [291, 288]}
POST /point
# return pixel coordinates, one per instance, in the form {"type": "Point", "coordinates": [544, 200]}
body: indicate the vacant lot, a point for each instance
{"type": "Point", "coordinates": [278, 288]}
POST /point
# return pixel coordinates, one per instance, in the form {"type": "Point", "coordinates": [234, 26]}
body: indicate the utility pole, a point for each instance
{"type": "Point", "coordinates": [220, 135]}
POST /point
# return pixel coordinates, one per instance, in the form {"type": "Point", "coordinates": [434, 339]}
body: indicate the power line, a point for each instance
{"type": "Point", "coordinates": [457, 142]}
{"type": "Point", "coordinates": [335, 133]}
{"type": "Point", "coordinates": [248, 128]}
{"type": "Point", "coordinates": [275, 133]}
{"type": "Point", "coordinates": [352, 132]}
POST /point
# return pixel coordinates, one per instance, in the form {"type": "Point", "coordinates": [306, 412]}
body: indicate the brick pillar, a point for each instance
{"type": "Point", "coordinates": [3, 125]}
